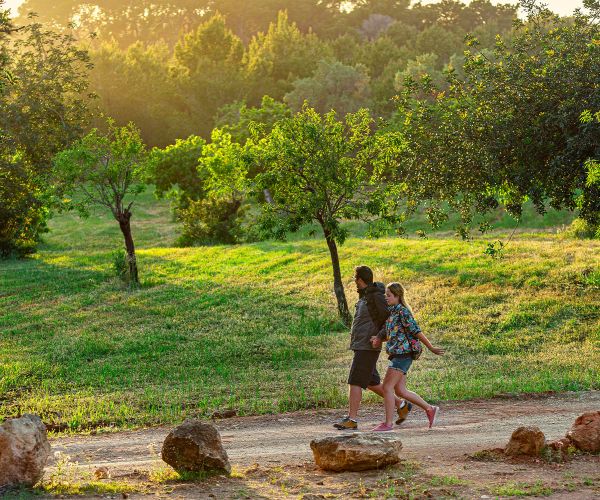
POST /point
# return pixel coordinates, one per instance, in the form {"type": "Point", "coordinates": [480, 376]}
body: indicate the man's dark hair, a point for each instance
{"type": "Point", "coordinates": [364, 273]}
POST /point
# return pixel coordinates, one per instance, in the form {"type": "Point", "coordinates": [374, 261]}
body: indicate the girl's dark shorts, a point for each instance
{"type": "Point", "coordinates": [363, 371]}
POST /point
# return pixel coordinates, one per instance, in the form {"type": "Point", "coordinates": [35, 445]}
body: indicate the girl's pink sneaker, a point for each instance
{"type": "Point", "coordinates": [432, 415]}
{"type": "Point", "coordinates": [382, 427]}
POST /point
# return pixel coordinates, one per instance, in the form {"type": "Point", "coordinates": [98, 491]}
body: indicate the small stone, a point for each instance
{"type": "Point", "coordinates": [525, 441]}
{"type": "Point", "coordinates": [229, 413]}
{"type": "Point", "coordinates": [102, 473]}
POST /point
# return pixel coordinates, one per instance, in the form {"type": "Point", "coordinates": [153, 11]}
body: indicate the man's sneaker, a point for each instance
{"type": "Point", "coordinates": [346, 424]}
{"type": "Point", "coordinates": [403, 411]}
{"type": "Point", "coordinates": [382, 427]}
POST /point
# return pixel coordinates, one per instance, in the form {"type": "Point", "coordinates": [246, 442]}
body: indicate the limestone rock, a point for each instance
{"type": "Point", "coordinates": [195, 446]}
{"type": "Point", "coordinates": [24, 450]}
{"type": "Point", "coordinates": [356, 451]}
{"type": "Point", "coordinates": [585, 432]}
{"type": "Point", "coordinates": [525, 441]}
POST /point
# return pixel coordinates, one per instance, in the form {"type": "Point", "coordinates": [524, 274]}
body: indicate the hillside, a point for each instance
{"type": "Point", "coordinates": [253, 327]}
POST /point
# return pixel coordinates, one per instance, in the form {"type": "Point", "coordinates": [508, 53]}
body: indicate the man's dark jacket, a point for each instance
{"type": "Point", "coordinates": [369, 317]}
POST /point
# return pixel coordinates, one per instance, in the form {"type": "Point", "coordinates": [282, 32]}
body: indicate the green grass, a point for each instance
{"type": "Point", "coordinates": [253, 327]}
{"type": "Point", "coordinates": [537, 489]}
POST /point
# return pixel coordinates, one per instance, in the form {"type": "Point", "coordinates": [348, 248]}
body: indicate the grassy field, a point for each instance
{"type": "Point", "coordinates": [253, 327]}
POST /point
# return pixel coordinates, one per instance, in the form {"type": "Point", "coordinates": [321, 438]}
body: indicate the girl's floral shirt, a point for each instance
{"type": "Point", "coordinates": [400, 324]}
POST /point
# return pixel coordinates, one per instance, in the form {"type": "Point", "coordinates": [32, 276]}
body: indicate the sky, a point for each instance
{"type": "Point", "coordinates": [562, 7]}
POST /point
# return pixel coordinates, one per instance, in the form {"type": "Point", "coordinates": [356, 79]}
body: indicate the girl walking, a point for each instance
{"type": "Point", "coordinates": [403, 345]}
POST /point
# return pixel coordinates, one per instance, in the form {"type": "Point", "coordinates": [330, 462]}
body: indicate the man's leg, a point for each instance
{"type": "Point", "coordinates": [355, 395]}
{"type": "Point", "coordinates": [360, 374]}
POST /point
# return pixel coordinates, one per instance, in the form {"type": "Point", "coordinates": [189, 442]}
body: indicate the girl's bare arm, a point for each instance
{"type": "Point", "coordinates": [424, 340]}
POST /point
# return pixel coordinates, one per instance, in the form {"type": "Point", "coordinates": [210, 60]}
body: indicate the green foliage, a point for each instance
{"type": "Point", "coordinates": [23, 213]}
{"type": "Point", "coordinates": [497, 135]}
{"type": "Point", "coordinates": [5, 29]}
{"type": "Point", "coordinates": [120, 267]}
{"type": "Point", "coordinates": [279, 56]}
{"type": "Point", "coordinates": [102, 169]}
{"type": "Point", "coordinates": [209, 183]}
{"type": "Point", "coordinates": [333, 85]}
{"type": "Point", "coordinates": [439, 41]}
{"type": "Point", "coordinates": [211, 221]}
{"type": "Point", "coordinates": [208, 71]}
{"type": "Point", "coordinates": [43, 110]}
{"type": "Point", "coordinates": [172, 70]}
{"type": "Point", "coordinates": [105, 170]}
{"type": "Point", "coordinates": [174, 170]}
{"type": "Point", "coordinates": [241, 121]}
{"type": "Point", "coordinates": [135, 85]}
{"type": "Point", "coordinates": [318, 171]}
{"type": "Point", "coordinates": [111, 21]}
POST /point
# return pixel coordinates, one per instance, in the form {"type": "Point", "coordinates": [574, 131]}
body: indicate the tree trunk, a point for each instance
{"type": "Point", "coordinates": [124, 223]}
{"type": "Point", "coordinates": [338, 286]}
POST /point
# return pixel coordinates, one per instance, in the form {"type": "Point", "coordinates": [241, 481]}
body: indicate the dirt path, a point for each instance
{"type": "Point", "coordinates": [283, 440]}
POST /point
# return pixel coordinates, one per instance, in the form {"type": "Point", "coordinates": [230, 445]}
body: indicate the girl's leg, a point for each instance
{"type": "Point", "coordinates": [389, 397]}
{"type": "Point", "coordinates": [413, 397]}
{"type": "Point", "coordinates": [378, 389]}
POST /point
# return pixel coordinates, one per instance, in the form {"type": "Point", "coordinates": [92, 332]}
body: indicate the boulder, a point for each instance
{"type": "Point", "coordinates": [585, 432]}
{"type": "Point", "coordinates": [24, 450]}
{"type": "Point", "coordinates": [195, 446]}
{"type": "Point", "coordinates": [356, 451]}
{"type": "Point", "coordinates": [525, 441]}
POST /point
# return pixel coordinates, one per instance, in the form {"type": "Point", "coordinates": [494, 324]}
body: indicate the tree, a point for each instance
{"type": "Point", "coordinates": [44, 109]}
{"type": "Point", "coordinates": [276, 58]}
{"type": "Point", "coordinates": [439, 41]}
{"type": "Point", "coordinates": [5, 29]}
{"type": "Point", "coordinates": [239, 120]}
{"type": "Point", "coordinates": [135, 85]}
{"type": "Point", "coordinates": [510, 130]}
{"type": "Point", "coordinates": [208, 70]}
{"type": "Point", "coordinates": [208, 182]}
{"type": "Point", "coordinates": [139, 20]}
{"type": "Point", "coordinates": [105, 170]}
{"type": "Point", "coordinates": [216, 218]}
{"type": "Point", "coordinates": [318, 171]}
{"type": "Point", "coordinates": [333, 86]}
{"type": "Point", "coordinates": [174, 170]}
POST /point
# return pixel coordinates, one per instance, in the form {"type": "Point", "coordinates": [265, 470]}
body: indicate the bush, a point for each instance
{"type": "Point", "coordinates": [581, 229]}
{"type": "Point", "coordinates": [120, 266]}
{"type": "Point", "coordinates": [211, 221]}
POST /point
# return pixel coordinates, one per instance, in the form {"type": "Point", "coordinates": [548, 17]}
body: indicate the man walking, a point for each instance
{"type": "Point", "coordinates": [369, 318]}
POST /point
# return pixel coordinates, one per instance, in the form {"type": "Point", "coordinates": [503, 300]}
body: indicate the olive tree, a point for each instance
{"type": "Point", "coordinates": [105, 170]}
{"type": "Point", "coordinates": [318, 171]}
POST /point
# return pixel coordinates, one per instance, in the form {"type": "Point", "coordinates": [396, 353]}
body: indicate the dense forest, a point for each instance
{"type": "Point", "coordinates": [175, 67]}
